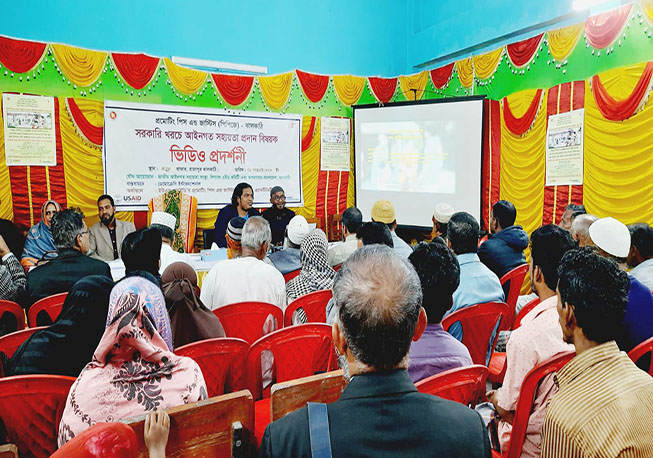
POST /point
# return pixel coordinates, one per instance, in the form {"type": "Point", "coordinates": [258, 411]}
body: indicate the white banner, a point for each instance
{"type": "Point", "coordinates": [151, 149]}
{"type": "Point", "coordinates": [564, 148]}
{"type": "Point", "coordinates": [30, 137]}
{"type": "Point", "coordinates": [335, 152]}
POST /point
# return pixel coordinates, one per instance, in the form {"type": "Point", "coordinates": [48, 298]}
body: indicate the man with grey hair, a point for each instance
{"type": "Point", "coordinates": [247, 278]}
{"type": "Point", "coordinates": [580, 229]}
{"type": "Point", "coordinates": [58, 275]}
{"type": "Point", "coordinates": [378, 298]}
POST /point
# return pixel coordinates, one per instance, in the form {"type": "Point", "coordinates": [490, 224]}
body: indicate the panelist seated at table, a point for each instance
{"type": "Point", "coordinates": [108, 233]}
{"type": "Point", "coordinates": [165, 223]}
{"type": "Point", "coordinates": [278, 215]}
{"type": "Point", "coordinates": [241, 205]}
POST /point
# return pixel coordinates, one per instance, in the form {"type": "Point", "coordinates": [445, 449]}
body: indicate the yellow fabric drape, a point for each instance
{"type": "Point", "coordinates": [348, 88]}
{"type": "Point", "coordinates": [81, 66]}
{"type": "Point", "coordinates": [486, 64]}
{"type": "Point", "coordinates": [275, 89]}
{"type": "Point", "coordinates": [647, 6]}
{"type": "Point", "coordinates": [413, 85]}
{"type": "Point", "coordinates": [310, 169]}
{"type": "Point", "coordinates": [465, 72]}
{"type": "Point", "coordinates": [6, 202]}
{"type": "Point", "coordinates": [185, 80]}
{"type": "Point", "coordinates": [563, 41]}
{"type": "Point", "coordinates": [618, 160]}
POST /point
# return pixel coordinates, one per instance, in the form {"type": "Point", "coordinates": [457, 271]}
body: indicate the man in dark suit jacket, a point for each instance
{"type": "Point", "coordinates": [381, 413]}
{"type": "Point", "coordinates": [71, 238]}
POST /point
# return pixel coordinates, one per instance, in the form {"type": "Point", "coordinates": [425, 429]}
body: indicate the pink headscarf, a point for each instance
{"type": "Point", "coordinates": [132, 371]}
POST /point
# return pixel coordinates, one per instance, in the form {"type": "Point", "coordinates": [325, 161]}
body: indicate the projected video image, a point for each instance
{"type": "Point", "coordinates": [409, 156]}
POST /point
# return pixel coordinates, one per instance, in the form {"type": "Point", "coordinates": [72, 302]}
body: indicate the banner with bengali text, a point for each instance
{"type": "Point", "coordinates": [151, 149]}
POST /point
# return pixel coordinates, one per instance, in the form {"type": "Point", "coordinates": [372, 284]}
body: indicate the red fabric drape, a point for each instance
{"type": "Point", "coordinates": [383, 88]}
{"type": "Point", "coordinates": [618, 110]}
{"type": "Point", "coordinates": [601, 30]}
{"type": "Point", "coordinates": [491, 167]}
{"type": "Point", "coordinates": [314, 86]}
{"type": "Point", "coordinates": [136, 69]}
{"type": "Point", "coordinates": [561, 99]}
{"type": "Point", "coordinates": [34, 185]}
{"type": "Point", "coordinates": [519, 126]}
{"type": "Point", "coordinates": [234, 89]}
{"type": "Point", "coordinates": [20, 56]}
{"type": "Point", "coordinates": [522, 52]}
{"type": "Point", "coordinates": [306, 141]}
{"type": "Point", "coordinates": [91, 132]}
{"type": "Point", "coordinates": [331, 197]}
{"type": "Point", "coordinates": [440, 76]}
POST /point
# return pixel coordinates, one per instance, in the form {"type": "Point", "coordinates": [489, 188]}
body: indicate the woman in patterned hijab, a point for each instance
{"type": "Point", "coordinates": [133, 370]}
{"type": "Point", "coordinates": [316, 274]}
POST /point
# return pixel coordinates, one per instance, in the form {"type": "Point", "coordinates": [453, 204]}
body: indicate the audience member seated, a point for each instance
{"type": "Point", "coordinates": [352, 220]}
{"type": "Point", "coordinates": [247, 278]}
{"type": "Point", "coordinates": [12, 276]}
{"type": "Point", "coordinates": [287, 260]}
{"type": "Point", "coordinates": [440, 218]}
{"type": "Point", "coordinates": [13, 236]}
{"type": "Point", "coordinates": [141, 251]}
{"type": "Point", "coordinates": [640, 256]}
{"type": "Point", "coordinates": [580, 229]}
{"type": "Point", "coordinates": [538, 339]}
{"type": "Point", "coordinates": [380, 412]}
{"type": "Point", "coordinates": [233, 237]}
{"type": "Point", "coordinates": [65, 347]}
{"type": "Point", "coordinates": [165, 224]}
{"type": "Point", "coordinates": [189, 318]}
{"type": "Point", "coordinates": [108, 234]}
{"type": "Point", "coordinates": [241, 205]}
{"type": "Point", "coordinates": [39, 243]}
{"type": "Point", "coordinates": [384, 212]}
{"type": "Point", "coordinates": [612, 239]}
{"type": "Point", "coordinates": [504, 248]}
{"type": "Point", "coordinates": [58, 275]}
{"type": "Point", "coordinates": [478, 284]}
{"type": "Point", "coordinates": [278, 215]}
{"type": "Point", "coordinates": [437, 350]}
{"type": "Point", "coordinates": [604, 406]}
{"type": "Point", "coordinates": [134, 369]}
{"type": "Point", "coordinates": [570, 214]}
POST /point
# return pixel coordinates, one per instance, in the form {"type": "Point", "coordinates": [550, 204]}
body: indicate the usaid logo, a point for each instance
{"type": "Point", "coordinates": [131, 198]}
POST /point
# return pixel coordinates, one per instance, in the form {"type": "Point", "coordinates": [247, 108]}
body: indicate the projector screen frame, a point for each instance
{"type": "Point", "coordinates": [481, 97]}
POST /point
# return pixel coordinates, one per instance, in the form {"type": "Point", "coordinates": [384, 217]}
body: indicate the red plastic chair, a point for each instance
{"type": "Point", "coordinates": [290, 275]}
{"type": "Point", "coordinates": [478, 322]}
{"type": "Point", "coordinates": [104, 440]}
{"type": "Point", "coordinates": [51, 305]}
{"type": "Point", "coordinates": [9, 343]}
{"type": "Point", "coordinates": [15, 310]}
{"type": "Point", "coordinates": [464, 384]}
{"type": "Point", "coordinates": [314, 305]}
{"type": "Point", "coordinates": [337, 267]}
{"type": "Point", "coordinates": [514, 279]}
{"type": "Point", "coordinates": [218, 359]}
{"type": "Point", "coordinates": [245, 320]}
{"type": "Point", "coordinates": [497, 364]}
{"type": "Point", "coordinates": [30, 408]}
{"type": "Point", "coordinates": [526, 398]}
{"type": "Point", "coordinates": [642, 349]}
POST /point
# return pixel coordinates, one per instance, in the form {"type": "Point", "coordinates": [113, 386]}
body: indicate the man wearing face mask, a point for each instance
{"type": "Point", "coordinates": [106, 235]}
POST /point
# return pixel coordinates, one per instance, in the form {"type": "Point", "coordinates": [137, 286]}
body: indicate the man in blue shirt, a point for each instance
{"type": "Point", "coordinates": [478, 284]}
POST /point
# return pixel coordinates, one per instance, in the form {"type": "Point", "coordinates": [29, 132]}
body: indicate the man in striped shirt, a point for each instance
{"type": "Point", "coordinates": [604, 406]}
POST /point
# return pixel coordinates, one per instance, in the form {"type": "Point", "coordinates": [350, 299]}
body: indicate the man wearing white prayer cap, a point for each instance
{"type": "Point", "coordinates": [612, 239]}
{"type": "Point", "coordinates": [165, 223]}
{"type": "Point", "coordinates": [441, 216]}
{"type": "Point", "coordinates": [287, 260]}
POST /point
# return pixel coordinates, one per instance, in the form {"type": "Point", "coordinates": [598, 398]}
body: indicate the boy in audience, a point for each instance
{"type": "Point", "coordinates": [352, 220]}
{"type": "Point", "coordinates": [538, 339]}
{"type": "Point", "coordinates": [233, 237]}
{"type": "Point", "coordinates": [439, 274]}
{"type": "Point", "coordinates": [640, 256]}
{"type": "Point", "coordinates": [380, 412]}
{"type": "Point", "coordinates": [504, 248]}
{"type": "Point", "coordinates": [604, 406]}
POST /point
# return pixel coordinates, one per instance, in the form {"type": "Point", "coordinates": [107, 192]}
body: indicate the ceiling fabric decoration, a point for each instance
{"type": "Point", "coordinates": [465, 71]}
{"type": "Point", "coordinates": [383, 88]}
{"type": "Point", "coordinates": [21, 56]}
{"type": "Point", "coordinates": [348, 88]}
{"type": "Point", "coordinates": [307, 138]}
{"type": "Point", "coordinates": [275, 89]}
{"type": "Point", "coordinates": [624, 104]}
{"type": "Point", "coordinates": [413, 86]}
{"type": "Point", "coordinates": [314, 86]}
{"type": "Point", "coordinates": [647, 6]}
{"type": "Point", "coordinates": [234, 89]}
{"type": "Point", "coordinates": [440, 76]}
{"type": "Point", "coordinates": [563, 41]}
{"type": "Point", "coordinates": [520, 125]}
{"type": "Point", "coordinates": [81, 66]}
{"type": "Point", "coordinates": [185, 80]}
{"type": "Point", "coordinates": [88, 131]}
{"type": "Point", "coordinates": [486, 64]}
{"type": "Point", "coordinates": [522, 52]}
{"type": "Point", "coordinates": [136, 69]}
{"type": "Point", "coordinates": [603, 29]}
